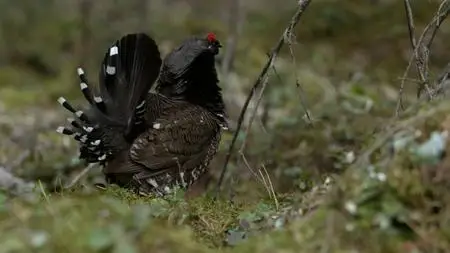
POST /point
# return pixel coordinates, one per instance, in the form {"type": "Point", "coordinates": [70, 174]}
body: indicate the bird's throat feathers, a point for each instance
{"type": "Point", "coordinates": [197, 83]}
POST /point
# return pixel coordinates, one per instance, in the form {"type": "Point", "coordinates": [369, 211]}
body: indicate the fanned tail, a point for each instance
{"type": "Point", "coordinates": [115, 114]}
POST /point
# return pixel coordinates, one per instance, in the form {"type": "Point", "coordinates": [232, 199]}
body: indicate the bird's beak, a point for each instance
{"type": "Point", "coordinates": [215, 48]}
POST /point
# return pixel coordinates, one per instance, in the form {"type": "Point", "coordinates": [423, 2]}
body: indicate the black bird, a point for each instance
{"type": "Point", "coordinates": [147, 141]}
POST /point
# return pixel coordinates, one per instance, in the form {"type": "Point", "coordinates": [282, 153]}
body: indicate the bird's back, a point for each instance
{"type": "Point", "coordinates": [175, 149]}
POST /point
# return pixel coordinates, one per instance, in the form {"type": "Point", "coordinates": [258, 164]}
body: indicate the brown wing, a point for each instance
{"type": "Point", "coordinates": [180, 140]}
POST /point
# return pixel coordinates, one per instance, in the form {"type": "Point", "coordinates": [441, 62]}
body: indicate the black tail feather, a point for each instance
{"type": "Point", "coordinates": [80, 114]}
{"type": "Point", "coordinates": [129, 69]}
{"type": "Point", "coordinates": [84, 86]}
{"type": "Point", "coordinates": [63, 102]}
{"type": "Point", "coordinates": [74, 123]}
{"type": "Point", "coordinates": [92, 99]}
{"type": "Point", "coordinates": [64, 130]}
{"type": "Point", "coordinates": [100, 104]}
{"type": "Point", "coordinates": [116, 110]}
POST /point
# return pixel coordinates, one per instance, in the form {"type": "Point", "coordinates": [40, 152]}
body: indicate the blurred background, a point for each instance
{"type": "Point", "coordinates": [347, 58]}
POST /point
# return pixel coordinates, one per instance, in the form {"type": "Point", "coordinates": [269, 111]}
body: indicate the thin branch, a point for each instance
{"type": "Point", "coordinates": [253, 115]}
{"type": "Point", "coordinates": [421, 51]}
{"type": "Point", "coordinates": [247, 165]}
{"type": "Point", "coordinates": [410, 21]}
{"type": "Point", "coordinates": [270, 188]}
{"type": "Point", "coordinates": [400, 105]}
{"type": "Point", "coordinates": [302, 5]}
{"type": "Point", "coordinates": [442, 84]}
{"type": "Point", "coordinates": [412, 38]}
{"type": "Point", "coordinates": [298, 85]}
{"type": "Point", "coordinates": [418, 54]}
{"type": "Point", "coordinates": [409, 80]}
{"type": "Point", "coordinates": [79, 176]}
{"type": "Point", "coordinates": [438, 22]}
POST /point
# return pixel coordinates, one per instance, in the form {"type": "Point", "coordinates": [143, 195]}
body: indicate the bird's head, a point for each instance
{"type": "Point", "coordinates": [194, 53]}
{"type": "Point", "coordinates": [202, 46]}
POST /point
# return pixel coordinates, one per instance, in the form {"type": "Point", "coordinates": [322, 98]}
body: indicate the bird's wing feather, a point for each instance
{"type": "Point", "coordinates": [179, 140]}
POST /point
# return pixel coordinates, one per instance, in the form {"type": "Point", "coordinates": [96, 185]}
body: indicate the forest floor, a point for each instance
{"type": "Point", "coordinates": [356, 180]}
{"type": "Point", "coordinates": [387, 194]}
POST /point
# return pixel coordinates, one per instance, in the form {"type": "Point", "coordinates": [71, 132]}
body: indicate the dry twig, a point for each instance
{"type": "Point", "coordinates": [80, 175]}
{"type": "Point", "coordinates": [421, 50]}
{"type": "Point", "coordinates": [302, 5]}
{"type": "Point", "coordinates": [268, 185]}
{"type": "Point", "coordinates": [290, 37]}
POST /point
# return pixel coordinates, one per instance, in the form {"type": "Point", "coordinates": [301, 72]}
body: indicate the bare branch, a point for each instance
{"type": "Point", "coordinates": [437, 21]}
{"type": "Point", "coordinates": [252, 116]}
{"type": "Point", "coordinates": [411, 27]}
{"type": "Point", "coordinates": [412, 38]}
{"type": "Point", "coordinates": [421, 51]}
{"type": "Point", "coordinates": [297, 82]}
{"type": "Point", "coordinates": [302, 5]}
{"type": "Point", "coordinates": [80, 175]}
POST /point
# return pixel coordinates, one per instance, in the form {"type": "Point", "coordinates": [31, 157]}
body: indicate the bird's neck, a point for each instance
{"type": "Point", "coordinates": [198, 86]}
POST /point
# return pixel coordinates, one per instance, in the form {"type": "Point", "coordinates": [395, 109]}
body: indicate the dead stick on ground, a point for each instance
{"type": "Point", "coordinates": [302, 5]}
{"type": "Point", "coordinates": [79, 176]}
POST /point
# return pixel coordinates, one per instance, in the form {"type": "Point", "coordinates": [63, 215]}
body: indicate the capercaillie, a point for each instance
{"type": "Point", "coordinates": [152, 141]}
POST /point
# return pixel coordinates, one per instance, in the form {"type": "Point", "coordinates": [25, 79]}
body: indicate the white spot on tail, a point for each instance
{"type": "Point", "coordinates": [79, 113]}
{"type": "Point", "coordinates": [83, 138]}
{"type": "Point", "coordinates": [167, 189]}
{"type": "Point", "coordinates": [80, 71]}
{"type": "Point", "coordinates": [61, 100]}
{"type": "Point", "coordinates": [88, 129]}
{"type": "Point", "coordinates": [156, 125]}
{"type": "Point", "coordinates": [98, 99]}
{"type": "Point", "coordinates": [194, 175]}
{"type": "Point", "coordinates": [182, 179]}
{"type": "Point", "coordinates": [153, 182]}
{"type": "Point", "coordinates": [141, 104]}
{"type": "Point", "coordinates": [95, 143]}
{"type": "Point", "coordinates": [102, 158]}
{"type": "Point", "coordinates": [60, 129]}
{"type": "Point", "coordinates": [110, 70]}
{"type": "Point", "coordinates": [113, 51]}
{"type": "Point", "coordinates": [83, 86]}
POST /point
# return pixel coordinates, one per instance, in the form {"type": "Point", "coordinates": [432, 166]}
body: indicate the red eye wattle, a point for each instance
{"type": "Point", "coordinates": [211, 37]}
